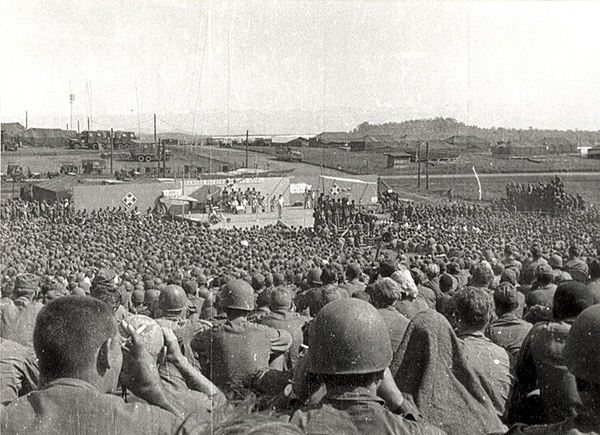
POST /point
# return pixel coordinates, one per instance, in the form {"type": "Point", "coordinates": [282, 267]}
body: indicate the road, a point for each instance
{"type": "Point", "coordinates": [261, 161]}
{"type": "Point", "coordinates": [502, 175]}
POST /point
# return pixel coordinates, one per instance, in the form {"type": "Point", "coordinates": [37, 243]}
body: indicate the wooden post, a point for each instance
{"type": "Point", "coordinates": [419, 165]}
{"type": "Point", "coordinates": [159, 151]}
{"type": "Point", "coordinates": [427, 166]}
{"type": "Point", "coordinates": [246, 149]}
{"type": "Point", "coordinates": [112, 143]}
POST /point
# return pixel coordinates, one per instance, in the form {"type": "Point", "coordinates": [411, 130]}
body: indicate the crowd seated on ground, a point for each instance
{"type": "Point", "coordinates": [447, 319]}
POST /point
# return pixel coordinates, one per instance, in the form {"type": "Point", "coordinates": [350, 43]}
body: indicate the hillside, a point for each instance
{"type": "Point", "coordinates": [442, 128]}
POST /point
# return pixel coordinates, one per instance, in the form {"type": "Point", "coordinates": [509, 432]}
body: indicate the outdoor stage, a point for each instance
{"type": "Point", "coordinates": [292, 216]}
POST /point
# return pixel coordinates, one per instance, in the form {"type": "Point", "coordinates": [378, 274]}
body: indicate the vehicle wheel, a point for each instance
{"type": "Point", "coordinates": [167, 158]}
{"type": "Point", "coordinates": [148, 159]}
{"type": "Point", "coordinates": [76, 146]}
{"type": "Point", "coordinates": [126, 146]}
{"type": "Point", "coordinates": [140, 158]}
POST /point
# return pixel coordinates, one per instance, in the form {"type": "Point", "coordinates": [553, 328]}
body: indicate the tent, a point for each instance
{"type": "Point", "coordinates": [54, 189]}
{"type": "Point", "coordinates": [47, 137]}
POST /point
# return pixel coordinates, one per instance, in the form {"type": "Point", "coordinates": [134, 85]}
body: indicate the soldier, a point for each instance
{"type": "Point", "coordinates": [575, 266]}
{"type": "Point", "coordinates": [171, 313]}
{"type": "Point", "coordinates": [18, 317]}
{"type": "Point", "coordinates": [19, 369]}
{"type": "Point", "coordinates": [316, 298]}
{"type": "Point", "coordinates": [540, 364]}
{"type": "Point", "coordinates": [473, 311]}
{"type": "Point", "coordinates": [508, 330]}
{"type": "Point", "coordinates": [283, 317]}
{"type": "Point", "coordinates": [385, 294]}
{"type": "Point", "coordinates": [582, 356]}
{"type": "Point", "coordinates": [350, 352]}
{"type": "Point", "coordinates": [80, 355]}
{"type": "Point", "coordinates": [353, 273]}
{"type": "Point", "coordinates": [236, 352]}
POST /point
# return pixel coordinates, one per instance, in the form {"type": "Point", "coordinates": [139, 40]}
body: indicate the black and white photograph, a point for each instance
{"type": "Point", "coordinates": [321, 217]}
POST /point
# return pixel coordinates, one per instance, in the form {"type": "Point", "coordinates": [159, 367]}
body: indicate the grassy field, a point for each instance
{"type": "Point", "coordinates": [465, 187]}
{"type": "Point", "coordinates": [375, 163]}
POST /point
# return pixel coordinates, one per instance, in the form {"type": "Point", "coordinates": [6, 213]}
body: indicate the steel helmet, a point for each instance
{"type": "Point", "coordinates": [237, 294]}
{"type": "Point", "coordinates": [172, 298]}
{"type": "Point", "coordinates": [150, 333]}
{"type": "Point", "coordinates": [582, 350]}
{"type": "Point", "coordinates": [349, 336]}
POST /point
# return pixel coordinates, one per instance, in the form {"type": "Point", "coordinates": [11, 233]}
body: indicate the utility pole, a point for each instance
{"type": "Point", "coordinates": [111, 151]}
{"type": "Point", "coordinates": [71, 99]}
{"type": "Point", "coordinates": [159, 159]}
{"type": "Point", "coordinates": [26, 119]}
{"type": "Point", "coordinates": [427, 166]}
{"type": "Point", "coordinates": [155, 127]}
{"type": "Point", "coordinates": [246, 149]}
{"type": "Point", "coordinates": [419, 165]}
{"type": "Point", "coordinates": [78, 126]}
{"type": "Point", "coordinates": [88, 123]}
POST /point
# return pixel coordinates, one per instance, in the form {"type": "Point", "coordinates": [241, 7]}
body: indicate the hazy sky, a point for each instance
{"type": "Point", "coordinates": [223, 67]}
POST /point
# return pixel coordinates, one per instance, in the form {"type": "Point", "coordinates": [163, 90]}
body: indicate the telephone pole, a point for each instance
{"type": "Point", "coordinates": [246, 149]}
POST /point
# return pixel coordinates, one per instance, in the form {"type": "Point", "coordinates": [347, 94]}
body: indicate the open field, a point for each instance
{"type": "Point", "coordinates": [580, 175]}
{"type": "Point", "coordinates": [492, 185]}
{"type": "Point", "coordinates": [375, 163]}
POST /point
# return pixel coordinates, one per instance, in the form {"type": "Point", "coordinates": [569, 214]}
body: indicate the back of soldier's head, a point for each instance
{"type": "Point", "coordinates": [482, 275]}
{"type": "Point", "coordinates": [473, 307]}
{"type": "Point", "coordinates": [329, 275]}
{"type": "Point", "coordinates": [68, 333]}
{"type": "Point", "coordinates": [570, 299]}
{"type": "Point", "coordinates": [385, 292]}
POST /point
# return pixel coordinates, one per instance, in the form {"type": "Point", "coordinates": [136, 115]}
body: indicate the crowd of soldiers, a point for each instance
{"type": "Point", "coordinates": [548, 197]}
{"type": "Point", "coordinates": [459, 321]}
{"type": "Point", "coordinates": [340, 214]}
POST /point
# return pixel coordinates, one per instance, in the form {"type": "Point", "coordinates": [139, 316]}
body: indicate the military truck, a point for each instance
{"type": "Point", "coordinates": [100, 140]}
{"type": "Point", "coordinates": [289, 155]}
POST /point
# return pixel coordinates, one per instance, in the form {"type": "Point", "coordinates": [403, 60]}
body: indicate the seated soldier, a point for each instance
{"type": "Point", "coordinates": [350, 353]}
{"type": "Point", "coordinates": [473, 310]}
{"type": "Point", "coordinates": [508, 331]}
{"type": "Point", "coordinates": [282, 316]}
{"type": "Point", "coordinates": [17, 318]}
{"type": "Point", "coordinates": [385, 294]}
{"type": "Point", "coordinates": [235, 355]}
{"type": "Point", "coordinates": [582, 356]}
{"type": "Point", "coordinates": [81, 356]}
{"type": "Point", "coordinates": [544, 389]}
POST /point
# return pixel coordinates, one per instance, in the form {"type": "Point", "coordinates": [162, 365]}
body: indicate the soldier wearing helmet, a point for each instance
{"type": "Point", "coordinates": [581, 354]}
{"type": "Point", "coordinates": [171, 313]}
{"type": "Point", "coordinates": [350, 352]}
{"type": "Point", "coordinates": [282, 316]}
{"type": "Point", "coordinates": [311, 301]}
{"type": "Point", "coordinates": [235, 355]}
{"type": "Point", "coordinates": [541, 365]}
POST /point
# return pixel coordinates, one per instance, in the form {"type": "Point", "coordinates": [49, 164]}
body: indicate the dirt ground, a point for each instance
{"type": "Point", "coordinates": [464, 184]}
